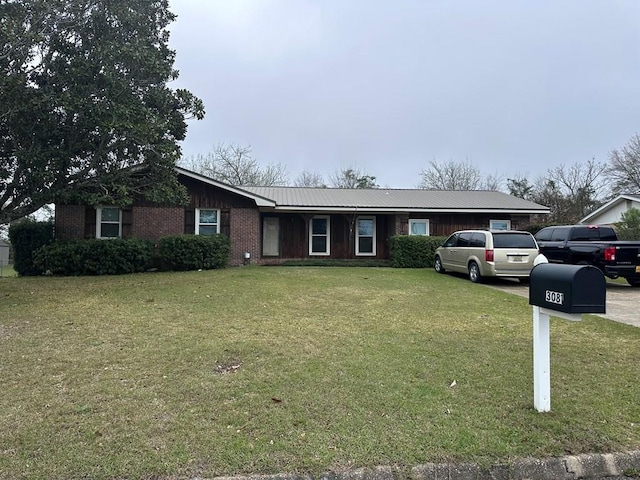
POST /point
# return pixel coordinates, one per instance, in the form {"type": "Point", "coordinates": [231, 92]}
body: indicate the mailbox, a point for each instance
{"type": "Point", "coordinates": [568, 288]}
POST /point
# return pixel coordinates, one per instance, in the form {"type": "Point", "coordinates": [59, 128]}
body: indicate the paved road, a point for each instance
{"type": "Point", "coordinates": [623, 301]}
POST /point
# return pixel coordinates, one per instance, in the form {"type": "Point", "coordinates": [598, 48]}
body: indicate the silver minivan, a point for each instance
{"type": "Point", "coordinates": [484, 253]}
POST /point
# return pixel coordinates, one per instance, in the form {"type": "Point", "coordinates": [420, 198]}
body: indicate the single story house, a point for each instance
{"type": "Point", "coordinates": [611, 212]}
{"type": "Point", "coordinates": [270, 225]}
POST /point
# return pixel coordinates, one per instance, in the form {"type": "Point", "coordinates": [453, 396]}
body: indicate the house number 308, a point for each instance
{"type": "Point", "coordinates": [554, 297]}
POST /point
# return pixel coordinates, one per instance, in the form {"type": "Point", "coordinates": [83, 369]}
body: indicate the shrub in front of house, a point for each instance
{"type": "Point", "coordinates": [629, 226]}
{"type": "Point", "coordinates": [413, 251]}
{"type": "Point", "coordinates": [27, 236]}
{"type": "Point", "coordinates": [95, 257]}
{"type": "Point", "coordinates": [194, 252]}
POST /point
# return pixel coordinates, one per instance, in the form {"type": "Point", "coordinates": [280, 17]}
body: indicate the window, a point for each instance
{"type": "Point", "coordinates": [464, 240]}
{"type": "Point", "coordinates": [452, 241]}
{"type": "Point", "coordinates": [513, 240]}
{"type": "Point", "coordinates": [544, 235]}
{"type": "Point", "coordinates": [207, 221]}
{"type": "Point", "coordinates": [108, 222]}
{"type": "Point", "coordinates": [560, 234]}
{"type": "Point", "coordinates": [418, 226]}
{"type": "Point", "coordinates": [366, 236]}
{"type": "Point", "coordinates": [478, 240]}
{"type": "Point", "coordinates": [319, 231]}
{"type": "Point", "coordinates": [499, 224]}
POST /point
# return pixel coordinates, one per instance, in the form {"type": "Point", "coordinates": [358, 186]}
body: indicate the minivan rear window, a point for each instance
{"type": "Point", "coordinates": [513, 240]}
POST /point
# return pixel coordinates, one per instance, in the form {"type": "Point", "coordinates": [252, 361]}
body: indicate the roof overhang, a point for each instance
{"type": "Point", "coordinates": [389, 210]}
{"type": "Point", "coordinates": [260, 201]}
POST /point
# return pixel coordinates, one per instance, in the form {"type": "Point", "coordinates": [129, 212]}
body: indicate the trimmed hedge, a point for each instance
{"type": "Point", "coordinates": [194, 252]}
{"type": "Point", "coordinates": [536, 227]}
{"type": "Point", "coordinates": [27, 236]}
{"type": "Point", "coordinates": [95, 257]}
{"type": "Point", "coordinates": [413, 251]}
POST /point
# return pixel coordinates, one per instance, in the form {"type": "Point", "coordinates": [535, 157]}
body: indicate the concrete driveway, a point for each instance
{"type": "Point", "coordinates": [623, 301]}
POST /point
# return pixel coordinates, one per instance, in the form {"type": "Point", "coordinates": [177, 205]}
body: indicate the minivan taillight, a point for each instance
{"type": "Point", "coordinates": [610, 254]}
{"type": "Point", "coordinates": [488, 255]}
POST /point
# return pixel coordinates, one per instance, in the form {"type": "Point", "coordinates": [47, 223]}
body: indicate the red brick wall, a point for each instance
{"type": "Point", "coordinates": [244, 235]}
{"type": "Point", "coordinates": [151, 223]}
{"type": "Point", "coordinates": [70, 222]}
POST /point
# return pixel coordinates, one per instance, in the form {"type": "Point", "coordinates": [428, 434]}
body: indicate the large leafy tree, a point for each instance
{"type": "Point", "coordinates": [86, 112]}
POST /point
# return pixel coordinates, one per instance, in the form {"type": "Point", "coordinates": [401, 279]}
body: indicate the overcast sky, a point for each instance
{"type": "Point", "coordinates": [513, 87]}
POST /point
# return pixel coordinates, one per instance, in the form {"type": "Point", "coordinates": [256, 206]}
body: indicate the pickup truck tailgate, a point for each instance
{"type": "Point", "coordinates": [628, 255]}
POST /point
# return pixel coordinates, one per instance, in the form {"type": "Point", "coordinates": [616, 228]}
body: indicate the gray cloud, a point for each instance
{"type": "Point", "coordinates": [514, 87]}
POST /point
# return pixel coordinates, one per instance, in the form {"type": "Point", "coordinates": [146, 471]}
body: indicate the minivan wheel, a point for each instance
{"type": "Point", "coordinates": [474, 273]}
{"type": "Point", "coordinates": [437, 265]}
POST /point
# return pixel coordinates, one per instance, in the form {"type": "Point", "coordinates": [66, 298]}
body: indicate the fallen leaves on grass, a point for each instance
{"type": "Point", "coordinates": [225, 369]}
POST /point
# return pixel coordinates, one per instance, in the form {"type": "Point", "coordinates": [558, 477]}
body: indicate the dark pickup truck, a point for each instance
{"type": "Point", "coordinates": [596, 245]}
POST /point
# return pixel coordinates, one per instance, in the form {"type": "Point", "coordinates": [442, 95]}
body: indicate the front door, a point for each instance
{"type": "Point", "coordinates": [271, 236]}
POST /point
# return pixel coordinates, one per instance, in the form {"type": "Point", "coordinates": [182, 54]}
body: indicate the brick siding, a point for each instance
{"type": "Point", "coordinates": [151, 223]}
{"type": "Point", "coordinates": [70, 222]}
{"type": "Point", "coordinates": [244, 235]}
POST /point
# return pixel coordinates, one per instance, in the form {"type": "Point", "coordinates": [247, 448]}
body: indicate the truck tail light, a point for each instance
{"type": "Point", "coordinates": [488, 255]}
{"type": "Point", "coordinates": [610, 254]}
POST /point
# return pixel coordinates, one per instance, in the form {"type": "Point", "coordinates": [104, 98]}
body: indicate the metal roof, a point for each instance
{"type": "Point", "coordinates": [336, 199]}
{"type": "Point", "coordinates": [376, 199]}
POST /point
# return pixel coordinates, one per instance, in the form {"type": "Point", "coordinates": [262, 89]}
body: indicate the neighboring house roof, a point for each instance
{"type": "Point", "coordinates": [612, 209]}
{"type": "Point", "coordinates": [394, 200]}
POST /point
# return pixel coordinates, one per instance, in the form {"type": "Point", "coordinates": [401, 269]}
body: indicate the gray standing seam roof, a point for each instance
{"type": "Point", "coordinates": [389, 199]}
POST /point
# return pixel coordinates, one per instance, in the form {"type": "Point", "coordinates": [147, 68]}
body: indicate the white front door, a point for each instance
{"type": "Point", "coordinates": [271, 236]}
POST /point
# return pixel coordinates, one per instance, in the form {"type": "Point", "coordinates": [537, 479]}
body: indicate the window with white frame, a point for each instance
{"type": "Point", "coordinates": [499, 224]}
{"type": "Point", "coordinates": [418, 226]}
{"type": "Point", "coordinates": [108, 222]}
{"type": "Point", "coordinates": [207, 221]}
{"type": "Point", "coordinates": [366, 236]}
{"type": "Point", "coordinates": [319, 235]}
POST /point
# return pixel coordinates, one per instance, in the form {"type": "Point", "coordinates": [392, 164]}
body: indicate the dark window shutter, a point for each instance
{"type": "Point", "coordinates": [190, 221]}
{"type": "Point", "coordinates": [127, 221]}
{"type": "Point", "coordinates": [89, 222]}
{"type": "Point", "coordinates": [225, 223]}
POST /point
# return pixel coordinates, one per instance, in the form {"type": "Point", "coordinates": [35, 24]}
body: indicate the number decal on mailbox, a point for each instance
{"type": "Point", "coordinates": [554, 297]}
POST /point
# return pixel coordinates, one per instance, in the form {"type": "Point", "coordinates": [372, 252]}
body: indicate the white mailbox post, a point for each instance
{"type": "Point", "coordinates": [564, 291]}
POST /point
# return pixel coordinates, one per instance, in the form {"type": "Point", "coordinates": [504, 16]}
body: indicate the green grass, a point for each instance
{"type": "Point", "coordinates": [268, 370]}
{"type": "Point", "coordinates": [7, 271]}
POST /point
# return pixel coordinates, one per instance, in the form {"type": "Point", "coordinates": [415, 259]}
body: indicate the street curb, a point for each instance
{"type": "Point", "coordinates": [571, 467]}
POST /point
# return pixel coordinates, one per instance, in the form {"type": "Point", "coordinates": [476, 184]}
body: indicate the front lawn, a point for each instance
{"type": "Point", "coordinates": [7, 271]}
{"type": "Point", "coordinates": [290, 369]}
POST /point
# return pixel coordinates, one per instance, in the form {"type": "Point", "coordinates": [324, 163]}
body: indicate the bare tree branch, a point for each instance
{"type": "Point", "coordinates": [234, 164]}
{"type": "Point", "coordinates": [451, 176]}
{"type": "Point", "coordinates": [352, 177]}
{"type": "Point", "coordinates": [309, 179]}
{"type": "Point", "coordinates": [624, 168]}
